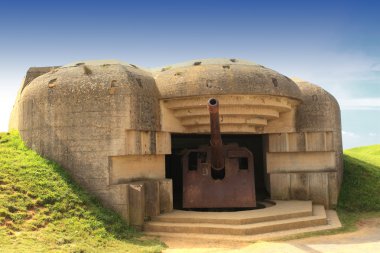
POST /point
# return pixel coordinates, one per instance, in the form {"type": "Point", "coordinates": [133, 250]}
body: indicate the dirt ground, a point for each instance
{"type": "Point", "coordinates": [366, 239]}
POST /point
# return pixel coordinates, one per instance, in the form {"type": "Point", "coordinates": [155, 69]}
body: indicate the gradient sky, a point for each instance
{"type": "Point", "coordinates": [335, 44]}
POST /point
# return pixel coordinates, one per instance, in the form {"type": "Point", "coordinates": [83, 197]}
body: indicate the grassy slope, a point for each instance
{"type": "Point", "coordinates": [361, 180]}
{"type": "Point", "coordinates": [41, 209]}
{"type": "Point", "coordinates": [360, 193]}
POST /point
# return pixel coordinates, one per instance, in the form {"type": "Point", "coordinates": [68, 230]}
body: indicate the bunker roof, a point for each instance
{"type": "Point", "coordinates": [222, 76]}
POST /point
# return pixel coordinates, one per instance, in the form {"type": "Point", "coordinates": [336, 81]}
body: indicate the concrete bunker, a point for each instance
{"type": "Point", "coordinates": [119, 129]}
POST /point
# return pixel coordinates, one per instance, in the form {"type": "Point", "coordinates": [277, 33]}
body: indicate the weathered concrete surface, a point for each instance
{"type": "Point", "coordinates": [166, 195]}
{"type": "Point", "coordinates": [78, 116]}
{"type": "Point", "coordinates": [154, 167]}
{"type": "Point", "coordinates": [152, 198]}
{"type": "Point", "coordinates": [320, 112]}
{"type": "Point", "coordinates": [222, 76]}
{"type": "Point", "coordinates": [110, 123]}
{"type": "Point", "coordinates": [137, 201]}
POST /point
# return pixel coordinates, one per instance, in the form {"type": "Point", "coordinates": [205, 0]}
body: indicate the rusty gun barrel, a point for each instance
{"type": "Point", "coordinates": [217, 151]}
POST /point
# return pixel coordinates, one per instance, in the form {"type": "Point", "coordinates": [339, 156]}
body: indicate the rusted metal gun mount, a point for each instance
{"type": "Point", "coordinates": [218, 175]}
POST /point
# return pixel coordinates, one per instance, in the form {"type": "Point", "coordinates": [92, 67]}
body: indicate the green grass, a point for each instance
{"type": "Point", "coordinates": [359, 197]}
{"type": "Point", "coordinates": [42, 210]}
{"type": "Point", "coordinates": [361, 180]}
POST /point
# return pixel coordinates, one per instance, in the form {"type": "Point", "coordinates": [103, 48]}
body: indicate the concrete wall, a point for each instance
{"type": "Point", "coordinates": [303, 166]}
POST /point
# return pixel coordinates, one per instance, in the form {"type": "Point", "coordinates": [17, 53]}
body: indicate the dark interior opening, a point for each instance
{"type": "Point", "coordinates": [218, 174]}
{"type": "Point", "coordinates": [193, 161]}
{"type": "Point", "coordinates": [254, 142]}
{"type": "Point", "coordinates": [243, 163]}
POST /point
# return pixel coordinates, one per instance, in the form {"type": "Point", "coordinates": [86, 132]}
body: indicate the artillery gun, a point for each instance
{"type": "Point", "coordinates": [218, 175]}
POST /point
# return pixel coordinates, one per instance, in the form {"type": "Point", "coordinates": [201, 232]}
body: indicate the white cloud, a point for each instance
{"type": "Point", "coordinates": [351, 139]}
{"type": "Point", "coordinates": [330, 68]}
{"type": "Point", "coordinates": [350, 134]}
{"type": "Point", "coordinates": [360, 103]}
{"type": "Point", "coordinates": [340, 73]}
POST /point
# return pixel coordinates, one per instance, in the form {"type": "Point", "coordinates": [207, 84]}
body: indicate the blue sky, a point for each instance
{"type": "Point", "coordinates": [335, 44]}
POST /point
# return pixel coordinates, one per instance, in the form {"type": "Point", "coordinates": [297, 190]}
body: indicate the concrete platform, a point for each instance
{"type": "Point", "coordinates": [281, 210]}
{"type": "Point", "coordinates": [283, 219]}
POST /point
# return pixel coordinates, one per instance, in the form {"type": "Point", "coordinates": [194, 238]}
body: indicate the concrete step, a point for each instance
{"type": "Point", "coordinates": [281, 211]}
{"type": "Point", "coordinates": [332, 219]}
{"type": "Point", "coordinates": [318, 218]}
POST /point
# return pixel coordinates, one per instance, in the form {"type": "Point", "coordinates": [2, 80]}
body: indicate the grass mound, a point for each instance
{"type": "Point", "coordinates": [359, 195]}
{"type": "Point", "coordinates": [41, 209]}
{"type": "Point", "coordinates": [361, 180]}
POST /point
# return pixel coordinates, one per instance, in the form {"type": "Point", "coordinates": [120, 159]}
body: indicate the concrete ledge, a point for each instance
{"type": "Point", "coordinates": [280, 211]}
{"type": "Point", "coordinates": [281, 162]}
